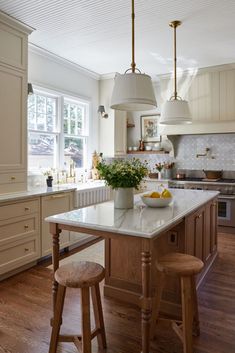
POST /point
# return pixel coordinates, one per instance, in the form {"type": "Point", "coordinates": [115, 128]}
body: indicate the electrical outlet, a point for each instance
{"type": "Point", "coordinates": [173, 238]}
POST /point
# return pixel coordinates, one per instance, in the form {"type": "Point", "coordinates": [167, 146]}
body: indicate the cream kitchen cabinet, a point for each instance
{"type": "Point", "coordinates": [51, 205]}
{"type": "Point", "coordinates": [19, 234]}
{"type": "Point", "coordinates": [120, 133]}
{"type": "Point", "coordinates": [13, 102]}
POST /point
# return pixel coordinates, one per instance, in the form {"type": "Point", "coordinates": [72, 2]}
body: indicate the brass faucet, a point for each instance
{"type": "Point", "coordinates": [204, 154]}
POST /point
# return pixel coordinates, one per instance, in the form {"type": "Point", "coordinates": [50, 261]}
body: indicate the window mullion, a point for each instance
{"type": "Point", "coordinates": [61, 134]}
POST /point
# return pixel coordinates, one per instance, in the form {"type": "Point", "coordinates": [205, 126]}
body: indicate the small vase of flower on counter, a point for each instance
{"type": "Point", "coordinates": [123, 176]}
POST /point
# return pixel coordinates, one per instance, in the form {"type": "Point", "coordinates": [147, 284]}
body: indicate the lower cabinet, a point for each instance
{"type": "Point", "coordinates": [19, 234]}
{"type": "Point", "coordinates": [201, 231]}
{"type": "Point", "coordinates": [51, 205]}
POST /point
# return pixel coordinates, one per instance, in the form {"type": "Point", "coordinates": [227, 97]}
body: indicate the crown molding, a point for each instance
{"type": "Point", "coordinates": [108, 76]}
{"type": "Point", "coordinates": [14, 23]}
{"type": "Point", "coordinates": [62, 61]}
{"type": "Point", "coordinates": [200, 70]}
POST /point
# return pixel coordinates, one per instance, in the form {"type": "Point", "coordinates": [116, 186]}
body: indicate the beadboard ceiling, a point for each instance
{"type": "Point", "coordinates": [96, 34]}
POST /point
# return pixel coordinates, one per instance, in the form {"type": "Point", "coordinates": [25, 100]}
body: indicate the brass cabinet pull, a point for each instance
{"type": "Point", "coordinates": [26, 226]}
{"type": "Point", "coordinates": [199, 216]}
{"type": "Point", "coordinates": [26, 208]}
{"type": "Point", "coordinates": [26, 249]}
{"type": "Point", "coordinates": [58, 196]}
{"type": "Point", "coordinates": [13, 178]}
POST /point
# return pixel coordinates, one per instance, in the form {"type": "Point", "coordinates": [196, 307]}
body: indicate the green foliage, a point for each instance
{"type": "Point", "coordinates": [123, 173]}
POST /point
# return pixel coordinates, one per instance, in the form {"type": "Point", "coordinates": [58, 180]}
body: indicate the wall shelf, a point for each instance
{"type": "Point", "coordinates": [147, 152]}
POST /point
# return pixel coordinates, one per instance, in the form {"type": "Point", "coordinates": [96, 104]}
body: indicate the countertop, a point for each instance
{"type": "Point", "coordinates": [40, 191]}
{"type": "Point", "coordinates": [141, 221]}
{"type": "Point", "coordinates": [43, 191]}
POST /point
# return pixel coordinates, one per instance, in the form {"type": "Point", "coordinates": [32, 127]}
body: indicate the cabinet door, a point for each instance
{"type": "Point", "coordinates": [195, 233]}
{"type": "Point", "coordinates": [52, 205]}
{"type": "Point", "coordinates": [227, 94]}
{"type": "Point", "coordinates": [120, 133]}
{"type": "Point", "coordinates": [13, 120]}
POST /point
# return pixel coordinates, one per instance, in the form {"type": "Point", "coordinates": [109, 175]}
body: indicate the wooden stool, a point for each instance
{"type": "Point", "coordinates": [186, 267]}
{"type": "Point", "coordinates": [83, 275]}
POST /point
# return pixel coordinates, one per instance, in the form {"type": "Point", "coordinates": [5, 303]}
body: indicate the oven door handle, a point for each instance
{"type": "Point", "coordinates": [226, 197]}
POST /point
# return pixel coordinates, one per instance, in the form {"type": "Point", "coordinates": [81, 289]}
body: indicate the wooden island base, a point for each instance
{"type": "Point", "coordinates": [196, 235]}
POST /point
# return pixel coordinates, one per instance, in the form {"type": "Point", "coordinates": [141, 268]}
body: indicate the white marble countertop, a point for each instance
{"type": "Point", "coordinates": [39, 191]}
{"type": "Point", "coordinates": [141, 221]}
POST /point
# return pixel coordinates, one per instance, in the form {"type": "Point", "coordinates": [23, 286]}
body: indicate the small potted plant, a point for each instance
{"type": "Point", "coordinates": [49, 179]}
{"type": "Point", "coordinates": [123, 176]}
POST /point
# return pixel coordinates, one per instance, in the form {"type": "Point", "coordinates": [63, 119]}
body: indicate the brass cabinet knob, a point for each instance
{"type": "Point", "coordinates": [13, 178]}
{"type": "Point", "coordinates": [26, 208]}
{"type": "Point", "coordinates": [26, 226]}
{"type": "Point", "coordinates": [26, 249]}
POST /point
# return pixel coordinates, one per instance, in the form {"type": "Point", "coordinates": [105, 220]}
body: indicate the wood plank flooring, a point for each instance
{"type": "Point", "coordinates": [25, 310]}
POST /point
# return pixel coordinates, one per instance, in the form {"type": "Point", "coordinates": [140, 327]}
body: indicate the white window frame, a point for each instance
{"type": "Point", "coordinates": [59, 134]}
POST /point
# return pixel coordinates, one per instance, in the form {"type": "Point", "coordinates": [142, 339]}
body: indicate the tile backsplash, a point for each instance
{"type": "Point", "coordinates": [220, 157]}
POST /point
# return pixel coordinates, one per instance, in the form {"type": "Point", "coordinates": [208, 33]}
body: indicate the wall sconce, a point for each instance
{"type": "Point", "coordinates": [30, 89]}
{"type": "Point", "coordinates": [101, 110]}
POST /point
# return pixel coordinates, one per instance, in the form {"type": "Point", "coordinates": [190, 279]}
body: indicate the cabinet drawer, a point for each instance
{"type": "Point", "coordinates": [12, 178]}
{"type": "Point", "coordinates": [19, 254]}
{"type": "Point", "coordinates": [19, 209]}
{"type": "Point", "coordinates": [18, 229]}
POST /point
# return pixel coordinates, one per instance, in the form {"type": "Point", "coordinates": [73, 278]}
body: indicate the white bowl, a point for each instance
{"type": "Point", "coordinates": [156, 202]}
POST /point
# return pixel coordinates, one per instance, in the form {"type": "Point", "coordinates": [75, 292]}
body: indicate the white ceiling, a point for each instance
{"type": "Point", "coordinates": [96, 34]}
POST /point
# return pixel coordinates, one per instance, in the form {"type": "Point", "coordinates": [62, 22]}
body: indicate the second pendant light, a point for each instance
{"type": "Point", "coordinates": [176, 110]}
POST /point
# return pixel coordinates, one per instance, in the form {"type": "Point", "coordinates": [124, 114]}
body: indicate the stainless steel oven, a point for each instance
{"type": "Point", "coordinates": [226, 210]}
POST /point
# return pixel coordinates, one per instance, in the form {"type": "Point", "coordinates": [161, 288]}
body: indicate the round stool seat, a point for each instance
{"type": "Point", "coordinates": [80, 274]}
{"type": "Point", "coordinates": [179, 264]}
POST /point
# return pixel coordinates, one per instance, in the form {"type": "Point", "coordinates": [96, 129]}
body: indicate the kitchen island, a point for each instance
{"type": "Point", "coordinates": [135, 238]}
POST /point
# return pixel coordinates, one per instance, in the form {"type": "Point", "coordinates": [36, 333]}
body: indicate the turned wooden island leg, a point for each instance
{"type": "Point", "coordinates": [146, 300]}
{"type": "Point", "coordinates": [55, 231]}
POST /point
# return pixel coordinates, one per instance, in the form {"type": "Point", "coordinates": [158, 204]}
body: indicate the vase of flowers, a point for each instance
{"type": "Point", "coordinates": [159, 167]}
{"type": "Point", "coordinates": [49, 179]}
{"type": "Point", "coordinates": [123, 176]}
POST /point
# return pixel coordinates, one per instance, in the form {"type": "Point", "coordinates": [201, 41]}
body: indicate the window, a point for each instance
{"type": "Point", "coordinates": [57, 131]}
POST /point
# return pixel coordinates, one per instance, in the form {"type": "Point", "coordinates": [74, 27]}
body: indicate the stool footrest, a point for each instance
{"type": "Point", "coordinates": [72, 338]}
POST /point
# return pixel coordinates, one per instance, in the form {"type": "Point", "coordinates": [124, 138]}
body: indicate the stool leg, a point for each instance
{"type": "Point", "coordinates": [196, 324]}
{"type": "Point", "coordinates": [157, 301]}
{"type": "Point", "coordinates": [187, 314]}
{"type": "Point", "coordinates": [98, 313]}
{"type": "Point", "coordinates": [86, 323]}
{"type": "Point", "coordinates": [57, 318]}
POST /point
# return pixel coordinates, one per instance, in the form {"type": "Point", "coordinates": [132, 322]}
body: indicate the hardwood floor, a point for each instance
{"type": "Point", "coordinates": [25, 311]}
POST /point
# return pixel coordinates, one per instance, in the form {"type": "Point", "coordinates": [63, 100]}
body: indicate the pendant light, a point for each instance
{"type": "Point", "coordinates": [176, 110]}
{"type": "Point", "coordinates": [133, 91]}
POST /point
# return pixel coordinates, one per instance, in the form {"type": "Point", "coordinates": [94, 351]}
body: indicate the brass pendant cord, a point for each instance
{"type": "Point", "coordinates": [133, 64]}
{"type": "Point", "coordinates": [175, 24]}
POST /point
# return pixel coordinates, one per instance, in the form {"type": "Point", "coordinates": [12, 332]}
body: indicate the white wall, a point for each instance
{"type": "Point", "coordinates": [50, 73]}
{"type": "Point", "coordinates": [106, 126]}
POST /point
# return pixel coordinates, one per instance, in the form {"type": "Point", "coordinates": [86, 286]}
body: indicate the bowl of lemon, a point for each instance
{"type": "Point", "coordinates": [157, 199]}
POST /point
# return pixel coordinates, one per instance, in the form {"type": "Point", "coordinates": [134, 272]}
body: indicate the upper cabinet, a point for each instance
{"type": "Point", "coordinates": [13, 102]}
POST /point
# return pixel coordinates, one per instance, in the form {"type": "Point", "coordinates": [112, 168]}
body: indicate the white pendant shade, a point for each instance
{"type": "Point", "coordinates": [133, 92]}
{"type": "Point", "coordinates": [175, 112]}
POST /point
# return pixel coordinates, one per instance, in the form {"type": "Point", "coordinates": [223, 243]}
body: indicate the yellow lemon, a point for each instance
{"type": "Point", "coordinates": [166, 194]}
{"type": "Point", "coordinates": [155, 195]}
